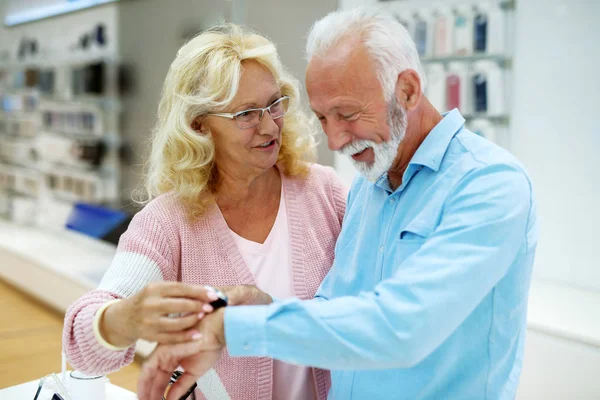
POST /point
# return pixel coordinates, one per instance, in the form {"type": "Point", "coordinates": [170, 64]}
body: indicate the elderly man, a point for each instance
{"type": "Point", "coordinates": [427, 296]}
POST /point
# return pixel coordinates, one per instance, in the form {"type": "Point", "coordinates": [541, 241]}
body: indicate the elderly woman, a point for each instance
{"type": "Point", "coordinates": [234, 201]}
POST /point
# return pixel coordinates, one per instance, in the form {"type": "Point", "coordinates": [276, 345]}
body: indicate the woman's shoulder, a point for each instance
{"type": "Point", "coordinates": [323, 177]}
{"type": "Point", "coordinates": [321, 182]}
{"type": "Point", "coordinates": [166, 204]}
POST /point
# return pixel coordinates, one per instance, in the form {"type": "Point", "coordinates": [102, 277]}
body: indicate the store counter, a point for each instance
{"type": "Point", "coordinates": [55, 267]}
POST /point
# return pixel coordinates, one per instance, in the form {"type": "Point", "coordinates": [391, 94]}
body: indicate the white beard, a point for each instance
{"type": "Point", "coordinates": [385, 152]}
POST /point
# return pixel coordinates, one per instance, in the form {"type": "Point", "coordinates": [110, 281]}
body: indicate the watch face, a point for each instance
{"type": "Point", "coordinates": [221, 301]}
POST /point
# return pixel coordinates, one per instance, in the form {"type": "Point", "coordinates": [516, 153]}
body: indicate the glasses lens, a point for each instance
{"type": "Point", "coordinates": [279, 108]}
{"type": "Point", "coordinates": [248, 119]}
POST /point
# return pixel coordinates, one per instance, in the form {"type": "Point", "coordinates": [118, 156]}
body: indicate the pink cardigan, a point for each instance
{"type": "Point", "coordinates": [161, 244]}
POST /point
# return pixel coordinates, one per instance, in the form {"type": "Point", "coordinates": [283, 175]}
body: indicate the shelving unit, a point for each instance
{"type": "Point", "coordinates": [503, 60]}
{"type": "Point", "coordinates": [65, 139]}
{"type": "Point", "coordinates": [460, 72]}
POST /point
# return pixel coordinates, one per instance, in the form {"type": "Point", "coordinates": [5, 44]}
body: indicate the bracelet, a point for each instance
{"type": "Point", "coordinates": [96, 324]}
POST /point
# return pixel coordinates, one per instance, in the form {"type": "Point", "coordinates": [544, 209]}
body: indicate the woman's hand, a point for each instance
{"type": "Point", "coordinates": [162, 312]}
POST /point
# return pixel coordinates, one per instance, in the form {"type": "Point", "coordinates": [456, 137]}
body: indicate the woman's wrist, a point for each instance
{"type": "Point", "coordinates": [113, 325]}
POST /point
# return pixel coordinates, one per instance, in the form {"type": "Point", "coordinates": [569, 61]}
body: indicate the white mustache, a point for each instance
{"type": "Point", "coordinates": [356, 147]}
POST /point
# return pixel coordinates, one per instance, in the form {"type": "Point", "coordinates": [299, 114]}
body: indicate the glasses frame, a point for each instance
{"type": "Point", "coordinates": [262, 113]}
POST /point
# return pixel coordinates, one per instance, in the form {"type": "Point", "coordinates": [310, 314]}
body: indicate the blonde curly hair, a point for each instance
{"type": "Point", "coordinates": [203, 78]}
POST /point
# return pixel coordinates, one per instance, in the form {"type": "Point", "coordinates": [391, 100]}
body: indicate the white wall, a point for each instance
{"type": "Point", "coordinates": [286, 23]}
{"type": "Point", "coordinates": [556, 134]}
{"type": "Point", "coordinates": [151, 33]}
{"type": "Point", "coordinates": [553, 131]}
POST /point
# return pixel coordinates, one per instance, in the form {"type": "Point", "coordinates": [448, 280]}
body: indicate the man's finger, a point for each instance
{"type": "Point", "coordinates": [160, 365]}
{"type": "Point", "coordinates": [183, 384]}
{"type": "Point", "coordinates": [149, 381]}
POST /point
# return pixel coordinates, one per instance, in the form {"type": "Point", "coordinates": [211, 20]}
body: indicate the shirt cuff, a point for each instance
{"type": "Point", "coordinates": [245, 330]}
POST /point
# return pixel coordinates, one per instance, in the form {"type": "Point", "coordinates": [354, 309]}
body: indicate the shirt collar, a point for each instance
{"type": "Point", "coordinates": [433, 148]}
{"type": "Point", "coordinates": [431, 151]}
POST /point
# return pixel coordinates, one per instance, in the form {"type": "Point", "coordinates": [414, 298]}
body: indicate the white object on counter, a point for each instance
{"type": "Point", "coordinates": [27, 390]}
{"type": "Point", "coordinates": [83, 387]}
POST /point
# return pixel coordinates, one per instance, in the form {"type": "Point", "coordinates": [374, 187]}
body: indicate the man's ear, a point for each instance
{"type": "Point", "coordinates": [408, 89]}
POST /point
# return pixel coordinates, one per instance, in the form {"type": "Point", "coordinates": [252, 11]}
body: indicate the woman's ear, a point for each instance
{"type": "Point", "coordinates": [197, 126]}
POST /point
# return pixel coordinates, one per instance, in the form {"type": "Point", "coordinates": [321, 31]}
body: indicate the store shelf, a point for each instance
{"type": "Point", "coordinates": [503, 60]}
{"type": "Point", "coordinates": [56, 267]}
{"type": "Point", "coordinates": [105, 103]}
{"type": "Point", "coordinates": [497, 119]}
{"type": "Point", "coordinates": [50, 61]}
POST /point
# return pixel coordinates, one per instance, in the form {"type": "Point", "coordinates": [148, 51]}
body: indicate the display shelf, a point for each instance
{"type": "Point", "coordinates": [503, 60]}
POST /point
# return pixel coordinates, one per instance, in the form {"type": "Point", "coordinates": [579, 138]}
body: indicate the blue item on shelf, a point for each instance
{"type": "Point", "coordinates": [95, 221]}
{"type": "Point", "coordinates": [480, 87]}
{"type": "Point", "coordinates": [480, 28]}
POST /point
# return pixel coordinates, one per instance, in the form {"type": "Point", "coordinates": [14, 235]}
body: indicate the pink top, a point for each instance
{"type": "Point", "coordinates": [270, 264]}
{"type": "Point", "coordinates": [163, 244]}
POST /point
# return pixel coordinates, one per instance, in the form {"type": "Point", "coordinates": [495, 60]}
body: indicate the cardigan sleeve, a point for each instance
{"type": "Point", "coordinates": [143, 256]}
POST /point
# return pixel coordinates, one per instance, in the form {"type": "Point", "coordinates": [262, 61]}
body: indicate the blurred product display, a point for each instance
{"type": "Point", "coordinates": [59, 128]}
{"type": "Point", "coordinates": [465, 53]}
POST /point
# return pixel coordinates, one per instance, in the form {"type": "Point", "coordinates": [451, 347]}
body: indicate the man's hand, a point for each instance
{"type": "Point", "coordinates": [195, 358]}
{"type": "Point", "coordinates": [245, 295]}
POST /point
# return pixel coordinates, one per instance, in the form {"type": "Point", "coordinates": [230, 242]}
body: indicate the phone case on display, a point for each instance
{"type": "Point", "coordinates": [496, 29]}
{"type": "Point", "coordinates": [453, 91]}
{"type": "Point", "coordinates": [463, 31]}
{"type": "Point", "coordinates": [436, 88]}
{"type": "Point", "coordinates": [46, 81]}
{"type": "Point", "coordinates": [424, 32]}
{"type": "Point", "coordinates": [32, 76]}
{"type": "Point", "coordinates": [481, 92]}
{"type": "Point", "coordinates": [444, 27]}
{"type": "Point", "coordinates": [421, 36]}
{"type": "Point", "coordinates": [481, 32]}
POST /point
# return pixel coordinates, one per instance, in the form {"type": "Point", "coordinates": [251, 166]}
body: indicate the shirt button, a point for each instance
{"type": "Point", "coordinates": [246, 346]}
{"type": "Point", "coordinates": [381, 249]}
{"type": "Point", "coordinates": [392, 200]}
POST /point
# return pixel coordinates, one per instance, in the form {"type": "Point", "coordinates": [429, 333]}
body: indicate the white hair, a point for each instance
{"type": "Point", "coordinates": [385, 39]}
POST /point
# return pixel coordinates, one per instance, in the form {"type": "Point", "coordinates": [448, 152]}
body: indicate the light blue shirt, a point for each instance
{"type": "Point", "coordinates": [427, 296]}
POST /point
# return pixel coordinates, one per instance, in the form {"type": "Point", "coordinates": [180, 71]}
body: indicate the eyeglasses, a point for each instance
{"type": "Point", "coordinates": [250, 118]}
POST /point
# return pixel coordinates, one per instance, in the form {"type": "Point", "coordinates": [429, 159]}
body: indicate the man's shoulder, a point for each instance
{"type": "Point", "coordinates": [473, 152]}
